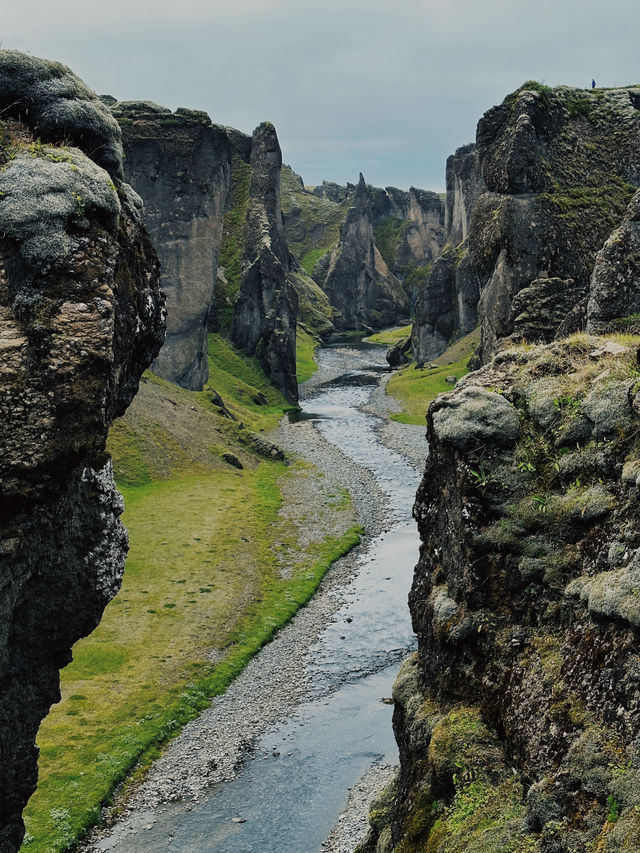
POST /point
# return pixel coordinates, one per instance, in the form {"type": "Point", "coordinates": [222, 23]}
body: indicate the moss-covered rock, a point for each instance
{"type": "Point", "coordinates": [524, 602]}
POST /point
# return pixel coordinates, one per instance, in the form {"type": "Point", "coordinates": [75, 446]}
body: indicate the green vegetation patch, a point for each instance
{"type": "Point", "coordinates": [387, 235]}
{"type": "Point", "coordinates": [414, 388]}
{"type": "Point", "coordinates": [306, 346]}
{"type": "Point", "coordinates": [231, 256]}
{"type": "Point", "coordinates": [389, 337]}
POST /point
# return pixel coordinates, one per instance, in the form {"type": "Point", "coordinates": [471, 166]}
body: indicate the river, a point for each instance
{"type": "Point", "coordinates": [293, 784]}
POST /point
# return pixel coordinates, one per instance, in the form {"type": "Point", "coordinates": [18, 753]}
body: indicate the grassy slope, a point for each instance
{"type": "Point", "coordinates": [203, 583]}
{"type": "Point", "coordinates": [306, 346]}
{"type": "Point", "coordinates": [415, 388]}
{"type": "Point", "coordinates": [389, 337]}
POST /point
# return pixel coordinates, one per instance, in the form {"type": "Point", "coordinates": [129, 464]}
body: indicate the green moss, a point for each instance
{"type": "Point", "coordinates": [231, 256]}
{"type": "Point", "coordinates": [306, 346]}
{"type": "Point", "coordinates": [389, 337]}
{"type": "Point", "coordinates": [387, 235]}
{"type": "Point", "coordinates": [311, 258]}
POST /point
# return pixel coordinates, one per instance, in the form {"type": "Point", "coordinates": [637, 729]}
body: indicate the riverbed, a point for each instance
{"type": "Point", "coordinates": [270, 765]}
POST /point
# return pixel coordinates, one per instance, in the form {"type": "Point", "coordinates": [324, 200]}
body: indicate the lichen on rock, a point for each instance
{"type": "Point", "coordinates": [81, 317]}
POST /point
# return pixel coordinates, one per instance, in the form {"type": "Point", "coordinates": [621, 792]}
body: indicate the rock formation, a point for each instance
{"type": "Point", "coordinates": [266, 306]}
{"type": "Point", "coordinates": [80, 318]}
{"type": "Point", "coordinates": [407, 229]}
{"type": "Point", "coordinates": [180, 163]}
{"type": "Point", "coordinates": [614, 292]}
{"type": "Point", "coordinates": [551, 175]}
{"type": "Point", "coordinates": [447, 305]}
{"type": "Point", "coordinates": [518, 719]}
{"type": "Point", "coordinates": [363, 292]}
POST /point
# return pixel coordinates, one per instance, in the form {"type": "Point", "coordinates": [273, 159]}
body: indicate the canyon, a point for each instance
{"type": "Point", "coordinates": [516, 717]}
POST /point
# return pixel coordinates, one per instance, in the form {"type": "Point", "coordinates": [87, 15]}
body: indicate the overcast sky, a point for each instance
{"type": "Point", "coordinates": [387, 88]}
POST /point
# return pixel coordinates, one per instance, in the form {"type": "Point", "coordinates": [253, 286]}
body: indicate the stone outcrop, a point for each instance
{"type": "Point", "coordinates": [547, 182]}
{"type": "Point", "coordinates": [266, 306]}
{"type": "Point", "coordinates": [518, 718]}
{"type": "Point", "coordinates": [447, 305]}
{"type": "Point", "coordinates": [363, 292]}
{"type": "Point", "coordinates": [180, 163]}
{"type": "Point", "coordinates": [81, 317]}
{"type": "Point", "coordinates": [614, 292]}
{"type": "Point", "coordinates": [560, 166]}
{"type": "Point", "coordinates": [407, 234]}
{"type": "Point", "coordinates": [408, 228]}
{"type": "Point", "coordinates": [464, 185]}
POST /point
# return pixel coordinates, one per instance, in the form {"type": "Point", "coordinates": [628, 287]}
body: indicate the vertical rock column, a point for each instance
{"type": "Point", "coordinates": [180, 164]}
{"type": "Point", "coordinates": [81, 317]}
{"type": "Point", "coordinates": [266, 307]}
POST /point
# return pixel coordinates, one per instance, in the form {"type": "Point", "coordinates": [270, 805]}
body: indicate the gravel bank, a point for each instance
{"type": "Point", "coordinates": [212, 748]}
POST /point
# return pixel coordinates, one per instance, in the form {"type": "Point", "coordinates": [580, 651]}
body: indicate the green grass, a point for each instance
{"type": "Point", "coordinates": [311, 258]}
{"type": "Point", "coordinates": [214, 567]}
{"type": "Point", "coordinates": [389, 337]}
{"type": "Point", "coordinates": [306, 346]}
{"type": "Point", "coordinates": [415, 388]}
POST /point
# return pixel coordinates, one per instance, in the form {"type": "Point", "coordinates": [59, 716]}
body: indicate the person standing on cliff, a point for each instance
{"type": "Point", "coordinates": [593, 84]}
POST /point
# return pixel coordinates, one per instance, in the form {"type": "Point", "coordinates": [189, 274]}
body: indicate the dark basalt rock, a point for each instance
{"type": "Point", "coordinates": [560, 166]}
{"type": "Point", "coordinates": [547, 182]}
{"type": "Point", "coordinates": [81, 317]}
{"type": "Point", "coordinates": [447, 306]}
{"type": "Point", "coordinates": [266, 306]}
{"type": "Point", "coordinates": [538, 311]}
{"type": "Point", "coordinates": [399, 353]}
{"type": "Point", "coordinates": [614, 291]}
{"type": "Point", "coordinates": [180, 164]}
{"type": "Point", "coordinates": [360, 287]}
{"type": "Point", "coordinates": [518, 719]}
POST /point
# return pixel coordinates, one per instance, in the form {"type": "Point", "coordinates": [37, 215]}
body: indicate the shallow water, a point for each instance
{"type": "Point", "coordinates": [291, 790]}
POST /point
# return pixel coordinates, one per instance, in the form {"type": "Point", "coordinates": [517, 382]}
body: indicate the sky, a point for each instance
{"type": "Point", "coordinates": [389, 89]}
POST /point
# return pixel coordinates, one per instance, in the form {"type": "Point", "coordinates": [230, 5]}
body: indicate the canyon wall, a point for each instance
{"type": "Point", "coordinates": [363, 245]}
{"type": "Point", "coordinates": [211, 204]}
{"type": "Point", "coordinates": [548, 181]}
{"type": "Point", "coordinates": [180, 164]}
{"type": "Point", "coordinates": [517, 719]}
{"type": "Point", "coordinates": [266, 306]}
{"type": "Point", "coordinates": [81, 317]}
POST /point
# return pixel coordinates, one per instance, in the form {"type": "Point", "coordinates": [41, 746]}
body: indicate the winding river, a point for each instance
{"type": "Point", "coordinates": [290, 791]}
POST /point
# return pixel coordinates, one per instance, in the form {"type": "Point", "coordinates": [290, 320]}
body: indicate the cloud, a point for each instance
{"type": "Point", "coordinates": [351, 85]}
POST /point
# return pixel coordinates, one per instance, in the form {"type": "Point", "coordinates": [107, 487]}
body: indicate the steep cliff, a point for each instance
{"type": "Point", "coordinates": [80, 318]}
{"type": "Point", "coordinates": [518, 719]}
{"type": "Point", "coordinates": [180, 163]}
{"type": "Point", "coordinates": [361, 289]}
{"type": "Point", "coordinates": [266, 306]}
{"type": "Point", "coordinates": [447, 302]}
{"type": "Point", "coordinates": [555, 169]}
{"type": "Point", "coordinates": [614, 290]}
{"type": "Point", "coordinates": [407, 231]}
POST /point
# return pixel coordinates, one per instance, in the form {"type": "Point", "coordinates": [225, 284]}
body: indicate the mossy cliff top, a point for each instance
{"type": "Point", "coordinates": [518, 719]}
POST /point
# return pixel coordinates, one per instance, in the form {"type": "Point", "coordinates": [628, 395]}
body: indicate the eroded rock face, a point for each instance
{"type": "Point", "coordinates": [547, 182]}
{"type": "Point", "coordinates": [614, 291]}
{"type": "Point", "coordinates": [266, 306]}
{"type": "Point", "coordinates": [355, 277]}
{"type": "Point", "coordinates": [81, 316]}
{"type": "Point", "coordinates": [447, 306]}
{"type": "Point", "coordinates": [560, 166]}
{"type": "Point", "coordinates": [180, 164]}
{"type": "Point", "coordinates": [464, 185]}
{"type": "Point", "coordinates": [518, 719]}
